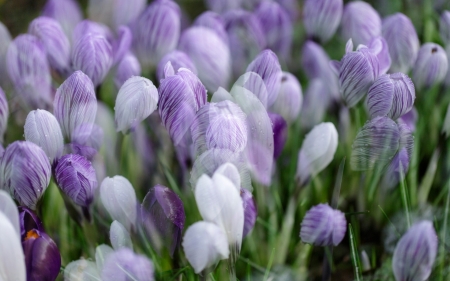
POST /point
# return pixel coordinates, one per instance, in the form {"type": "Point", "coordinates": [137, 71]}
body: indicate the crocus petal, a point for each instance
{"type": "Point", "coordinates": [4, 113]}
{"type": "Point", "coordinates": [380, 48]}
{"type": "Point", "coordinates": [322, 18]}
{"type": "Point", "coordinates": [396, 169]}
{"type": "Point", "coordinates": [280, 131]}
{"type": "Point", "coordinates": [128, 67]}
{"type": "Point", "coordinates": [290, 99]}
{"type": "Point", "coordinates": [28, 221]}
{"type": "Point", "coordinates": [101, 254]}
{"type": "Point", "coordinates": [66, 12]}
{"type": "Point", "coordinates": [177, 59]}
{"type": "Point", "coordinates": [361, 22]}
{"type": "Point", "coordinates": [12, 265]}
{"type": "Point", "coordinates": [95, 28]}
{"type": "Point", "coordinates": [409, 119]}
{"type": "Point", "coordinates": [431, 66]}
{"type": "Point", "coordinates": [220, 6]}
{"type": "Point", "coordinates": [136, 100]}
{"type": "Point", "coordinates": [124, 265]}
{"type": "Point", "coordinates": [213, 21]}
{"type": "Point", "coordinates": [81, 270]}
{"type": "Point", "coordinates": [255, 84]}
{"type": "Point", "coordinates": [9, 209]}
{"type": "Point", "coordinates": [119, 236]}
{"type": "Point", "coordinates": [121, 45]}
{"type": "Point", "coordinates": [250, 212]}
{"type": "Point", "coordinates": [230, 171]}
{"type": "Point", "coordinates": [115, 13]}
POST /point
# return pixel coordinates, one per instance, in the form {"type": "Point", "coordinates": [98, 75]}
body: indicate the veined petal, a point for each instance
{"type": "Point", "coordinates": [321, 18]}
{"type": "Point", "coordinates": [361, 22]}
{"type": "Point", "coordinates": [66, 12]}
{"type": "Point", "coordinates": [254, 83]}
{"type": "Point", "coordinates": [431, 66]}
{"type": "Point", "coordinates": [177, 59]}
{"type": "Point", "coordinates": [250, 212]}
{"type": "Point", "coordinates": [119, 236]}
{"type": "Point", "coordinates": [4, 113]}
{"type": "Point", "coordinates": [213, 21]}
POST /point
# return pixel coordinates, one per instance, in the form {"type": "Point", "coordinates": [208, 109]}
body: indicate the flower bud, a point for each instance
{"type": "Point", "coordinates": [29, 70]}
{"type": "Point", "coordinates": [128, 67]}
{"type": "Point", "coordinates": [156, 32]}
{"type": "Point", "coordinates": [75, 103]}
{"type": "Point", "coordinates": [119, 236]}
{"type": "Point", "coordinates": [66, 12]}
{"type": "Point", "coordinates": [322, 18]}
{"type": "Point", "coordinates": [25, 171]}
{"type": "Point", "coordinates": [280, 132]}
{"type": "Point", "coordinates": [77, 179]}
{"type": "Point", "coordinates": [317, 151]}
{"type": "Point", "coordinates": [323, 226]}
{"type": "Point", "coordinates": [12, 261]}
{"type": "Point", "coordinates": [289, 100]}
{"type": "Point", "coordinates": [360, 22]}
{"type": "Point", "coordinates": [115, 13]}
{"type": "Point", "coordinates": [444, 27]}
{"type": "Point", "coordinates": [221, 6]}
{"type": "Point", "coordinates": [123, 265]}
{"type": "Point", "coordinates": [136, 100]}
{"type": "Point", "coordinates": [51, 34]}
{"type": "Point", "coordinates": [162, 215]}
{"type": "Point", "coordinates": [402, 40]}
{"type": "Point", "coordinates": [250, 212]}
{"type": "Point", "coordinates": [42, 128]}
{"type": "Point", "coordinates": [415, 253]}
{"type": "Point", "coordinates": [87, 26]}
{"type": "Point", "coordinates": [430, 67]}
{"type": "Point", "coordinates": [4, 113]}
{"type": "Point", "coordinates": [178, 59]}
{"type": "Point", "coordinates": [180, 97]}
{"type": "Point", "coordinates": [5, 39]}
{"type": "Point", "coordinates": [118, 197]}
{"type": "Point", "coordinates": [9, 209]}
{"type": "Point", "coordinates": [277, 27]}
{"type": "Point", "coordinates": [93, 55]}
{"type": "Point", "coordinates": [42, 256]}
{"type": "Point", "coordinates": [213, 21]}
{"type": "Point", "coordinates": [391, 95]}
{"type": "Point", "coordinates": [204, 243]}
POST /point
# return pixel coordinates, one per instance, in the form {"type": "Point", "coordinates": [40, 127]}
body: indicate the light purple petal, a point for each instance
{"type": "Point", "coordinates": [213, 21]}
{"type": "Point", "coordinates": [123, 265]}
{"type": "Point", "coordinates": [430, 67]}
{"type": "Point", "coordinates": [322, 17]}
{"type": "Point", "coordinates": [129, 66]}
{"type": "Point", "coordinates": [360, 22]}
{"type": "Point", "coordinates": [66, 12]}
{"type": "Point", "coordinates": [290, 99]}
{"type": "Point", "coordinates": [178, 59]}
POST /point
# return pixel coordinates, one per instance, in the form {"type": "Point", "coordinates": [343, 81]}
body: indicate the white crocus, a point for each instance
{"type": "Point", "coordinates": [119, 236]}
{"type": "Point", "coordinates": [9, 209]}
{"type": "Point", "coordinates": [12, 260]}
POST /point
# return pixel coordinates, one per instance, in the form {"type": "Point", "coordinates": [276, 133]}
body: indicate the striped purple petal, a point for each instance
{"type": "Point", "coordinates": [213, 21]}
{"type": "Point", "coordinates": [178, 59]}
{"type": "Point", "coordinates": [280, 133]}
{"type": "Point", "coordinates": [66, 12]}
{"type": "Point", "coordinates": [123, 265]}
{"type": "Point", "coordinates": [250, 211]}
{"type": "Point", "coordinates": [360, 22]}
{"type": "Point", "coordinates": [121, 45]}
{"type": "Point", "coordinates": [322, 17]}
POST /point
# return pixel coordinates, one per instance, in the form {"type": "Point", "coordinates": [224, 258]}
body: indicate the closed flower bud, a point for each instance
{"type": "Point", "coordinates": [51, 34]}
{"type": "Point", "coordinates": [75, 103]}
{"type": "Point", "coordinates": [119, 236]}
{"type": "Point", "coordinates": [29, 70]}
{"type": "Point", "coordinates": [415, 253]}
{"type": "Point", "coordinates": [267, 66]}
{"type": "Point", "coordinates": [127, 67]}
{"type": "Point", "coordinates": [280, 132]}
{"type": "Point", "coordinates": [77, 179]}
{"type": "Point", "coordinates": [402, 40]}
{"type": "Point", "coordinates": [162, 215]}
{"type": "Point", "coordinates": [204, 244]}
{"type": "Point", "coordinates": [42, 128]}
{"type": "Point", "coordinates": [323, 226]}
{"type": "Point", "coordinates": [375, 144]}
{"type": "Point", "coordinates": [246, 38]}
{"type": "Point", "coordinates": [220, 6]}
{"type": "Point", "coordinates": [156, 32]}
{"type": "Point", "coordinates": [118, 197]}
{"type": "Point", "coordinates": [4, 113]}
{"type": "Point", "coordinates": [277, 27]}
{"type": "Point", "coordinates": [42, 256]}
{"type": "Point", "coordinates": [213, 21]}
{"type": "Point", "coordinates": [360, 22]}
{"type": "Point", "coordinates": [87, 26]}
{"type": "Point", "coordinates": [25, 171]}
{"type": "Point", "coordinates": [430, 67]}
{"type": "Point", "coordinates": [123, 265]}
{"type": "Point", "coordinates": [66, 12]}
{"type": "Point", "coordinates": [180, 97]}
{"type": "Point", "coordinates": [93, 55]}
{"type": "Point", "coordinates": [317, 151]}
{"type": "Point", "coordinates": [12, 261]}
{"type": "Point", "coordinates": [136, 100]}
{"type": "Point", "coordinates": [178, 59]}
{"type": "Point", "coordinates": [5, 39]}
{"type": "Point", "coordinates": [444, 27]}
{"type": "Point", "coordinates": [289, 100]}
{"type": "Point", "coordinates": [210, 54]}
{"type": "Point", "coordinates": [250, 212]}
{"type": "Point", "coordinates": [322, 18]}
{"type": "Point", "coordinates": [391, 95]}
{"type": "Point", "coordinates": [115, 13]}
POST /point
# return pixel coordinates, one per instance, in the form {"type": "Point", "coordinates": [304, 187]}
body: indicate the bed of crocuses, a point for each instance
{"type": "Point", "coordinates": [225, 140]}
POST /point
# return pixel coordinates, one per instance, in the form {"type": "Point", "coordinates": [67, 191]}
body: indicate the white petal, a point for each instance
{"type": "Point", "coordinates": [9, 209]}
{"type": "Point", "coordinates": [101, 254]}
{"type": "Point", "coordinates": [231, 172]}
{"type": "Point", "coordinates": [81, 270]}
{"type": "Point", "coordinates": [119, 236]}
{"type": "Point", "coordinates": [255, 84]}
{"type": "Point", "coordinates": [221, 94]}
{"type": "Point", "coordinates": [12, 260]}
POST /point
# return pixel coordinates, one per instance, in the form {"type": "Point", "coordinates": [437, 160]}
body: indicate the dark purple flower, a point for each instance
{"type": "Point", "coordinates": [280, 131]}
{"type": "Point", "coordinates": [290, 98]}
{"type": "Point", "coordinates": [123, 265]}
{"type": "Point", "coordinates": [178, 59]}
{"type": "Point", "coordinates": [4, 113]}
{"type": "Point", "coordinates": [127, 67]}
{"type": "Point", "coordinates": [213, 21]}
{"type": "Point", "coordinates": [28, 221]}
{"type": "Point", "coordinates": [162, 215]}
{"type": "Point", "coordinates": [323, 226]}
{"type": "Point", "coordinates": [322, 18]}
{"type": "Point", "coordinates": [66, 12]}
{"type": "Point", "coordinates": [444, 27]}
{"type": "Point", "coordinates": [402, 40]}
{"type": "Point", "coordinates": [76, 177]}
{"type": "Point", "coordinates": [42, 257]}
{"type": "Point", "coordinates": [25, 172]}
{"type": "Point", "coordinates": [360, 22]}
{"type": "Point", "coordinates": [430, 67]}
{"type": "Point", "coordinates": [250, 211]}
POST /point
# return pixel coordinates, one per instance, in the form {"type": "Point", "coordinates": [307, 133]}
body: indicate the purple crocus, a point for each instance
{"type": "Point", "coordinates": [180, 97]}
{"type": "Point", "coordinates": [66, 12]}
{"type": "Point", "coordinates": [444, 27]}
{"type": "Point", "coordinates": [128, 67]}
{"type": "Point", "coordinates": [86, 141]}
{"type": "Point", "coordinates": [323, 226]}
{"type": "Point", "coordinates": [4, 113]}
{"type": "Point", "coordinates": [77, 179]}
{"type": "Point", "coordinates": [178, 59]}
{"type": "Point", "coordinates": [430, 67]}
{"type": "Point", "coordinates": [162, 215]}
{"type": "Point", "coordinates": [213, 21]}
{"type": "Point", "coordinates": [322, 18]}
{"type": "Point", "coordinates": [123, 265]}
{"type": "Point", "coordinates": [250, 211]}
{"type": "Point", "coordinates": [409, 119]}
{"type": "Point", "coordinates": [315, 103]}
{"type": "Point", "coordinates": [360, 22]}
{"type": "Point", "coordinates": [289, 100]}
{"type": "Point", "coordinates": [25, 172]}
{"type": "Point", "coordinates": [87, 26]}
{"type": "Point", "coordinates": [415, 253]}
{"type": "Point", "coordinates": [121, 44]}
{"type": "Point", "coordinates": [391, 95]}
{"type": "Point", "coordinates": [280, 133]}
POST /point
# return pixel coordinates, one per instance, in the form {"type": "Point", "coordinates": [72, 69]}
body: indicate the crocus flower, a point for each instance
{"type": "Point", "coordinates": [76, 177]}
{"type": "Point", "coordinates": [4, 113]}
{"type": "Point", "coordinates": [280, 131]}
{"type": "Point", "coordinates": [250, 212]}
{"type": "Point", "coordinates": [375, 144]}
{"type": "Point", "coordinates": [42, 256]}
{"type": "Point", "coordinates": [136, 100]}
{"type": "Point", "coordinates": [430, 67]}
{"type": "Point", "coordinates": [42, 128]}
{"type": "Point", "coordinates": [360, 22]}
{"type": "Point", "coordinates": [220, 6]}
{"type": "Point", "coordinates": [178, 59]}
{"type": "Point", "coordinates": [86, 140]}
{"type": "Point", "coordinates": [402, 40]}
{"type": "Point", "coordinates": [444, 27]}
{"type": "Point", "coordinates": [323, 226]}
{"type": "Point", "coordinates": [204, 244]}
{"type": "Point", "coordinates": [29, 70]}
{"type": "Point", "coordinates": [5, 39]}
{"type": "Point", "coordinates": [75, 103]}
{"type": "Point", "coordinates": [9, 209]}
{"type": "Point", "coordinates": [380, 48]}
{"type": "Point", "coordinates": [213, 21]}
{"type": "Point", "coordinates": [115, 13]}
{"type": "Point", "coordinates": [95, 28]}
{"type": "Point", "coordinates": [119, 236]}
{"type": "Point", "coordinates": [12, 261]}
{"type": "Point", "coordinates": [124, 264]}
{"type": "Point", "coordinates": [277, 27]}
{"type": "Point", "coordinates": [289, 100]}
{"type": "Point", "coordinates": [210, 54]}
{"type": "Point", "coordinates": [66, 12]}
{"type": "Point", "coordinates": [156, 32]}
{"type": "Point", "coordinates": [180, 97]}
{"type": "Point", "coordinates": [56, 43]}
{"type": "Point", "coordinates": [118, 197]}
{"type": "Point", "coordinates": [127, 67]}
{"type": "Point", "coordinates": [253, 82]}
{"type": "Point", "coordinates": [162, 215]}
{"type": "Point", "coordinates": [415, 253]}
{"type": "Point", "coordinates": [322, 18]}
{"type": "Point", "coordinates": [25, 171]}
{"type": "Point", "coordinates": [391, 95]}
